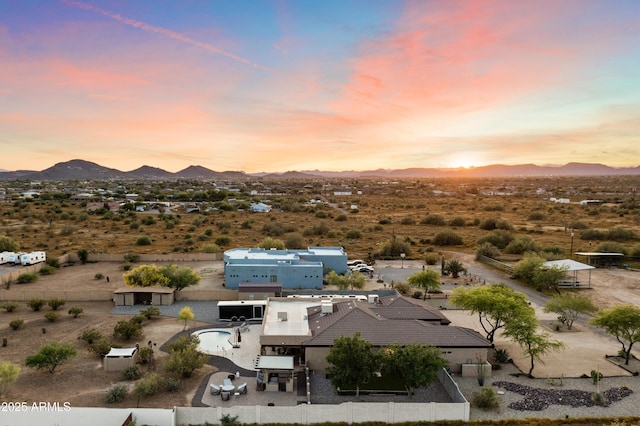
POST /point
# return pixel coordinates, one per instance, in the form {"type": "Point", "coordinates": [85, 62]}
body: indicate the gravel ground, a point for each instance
{"type": "Point", "coordinates": [204, 311]}
{"type": "Point", "coordinates": [552, 394]}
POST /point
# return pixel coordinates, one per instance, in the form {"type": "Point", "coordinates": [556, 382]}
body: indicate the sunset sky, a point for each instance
{"type": "Point", "coordinates": [260, 85]}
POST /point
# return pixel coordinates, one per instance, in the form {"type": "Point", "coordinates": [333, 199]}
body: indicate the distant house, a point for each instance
{"type": "Point", "coordinates": [260, 208]}
{"type": "Point", "coordinates": [342, 193]}
{"type": "Point", "coordinates": [292, 268]}
{"type": "Point", "coordinates": [113, 206]}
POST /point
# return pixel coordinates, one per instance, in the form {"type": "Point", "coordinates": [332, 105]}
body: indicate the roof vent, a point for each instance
{"type": "Point", "coordinates": [282, 316]}
{"type": "Point", "coordinates": [327, 307]}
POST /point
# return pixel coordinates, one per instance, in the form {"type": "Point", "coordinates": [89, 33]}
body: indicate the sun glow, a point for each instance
{"type": "Point", "coordinates": [462, 161]}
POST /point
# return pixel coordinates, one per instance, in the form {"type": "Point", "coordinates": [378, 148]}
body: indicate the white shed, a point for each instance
{"type": "Point", "coordinates": [120, 358]}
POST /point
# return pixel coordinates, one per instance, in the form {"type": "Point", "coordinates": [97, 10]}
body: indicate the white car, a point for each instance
{"type": "Point", "coordinates": [353, 263]}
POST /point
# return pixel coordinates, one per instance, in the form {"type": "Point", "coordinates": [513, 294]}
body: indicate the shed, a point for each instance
{"type": "Point", "coordinates": [158, 296]}
{"type": "Point", "coordinates": [572, 266]}
{"type": "Point", "coordinates": [120, 358]}
{"type": "Point", "coordinates": [601, 259]}
{"type": "Point", "coordinates": [258, 291]}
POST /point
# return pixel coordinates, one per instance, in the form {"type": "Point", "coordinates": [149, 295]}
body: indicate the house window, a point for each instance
{"type": "Point", "coordinates": [273, 278]}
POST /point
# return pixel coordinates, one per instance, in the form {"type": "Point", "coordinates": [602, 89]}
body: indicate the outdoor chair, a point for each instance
{"type": "Point", "coordinates": [214, 389]}
{"type": "Point", "coordinates": [242, 389]}
{"type": "Point", "coordinates": [225, 395]}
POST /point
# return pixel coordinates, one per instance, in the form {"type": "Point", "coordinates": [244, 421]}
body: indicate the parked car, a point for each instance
{"type": "Point", "coordinates": [352, 263]}
{"type": "Point", "coordinates": [363, 269]}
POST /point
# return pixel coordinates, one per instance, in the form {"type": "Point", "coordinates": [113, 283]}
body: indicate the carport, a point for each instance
{"type": "Point", "coordinates": [571, 266]}
{"type": "Point", "coordinates": [129, 296]}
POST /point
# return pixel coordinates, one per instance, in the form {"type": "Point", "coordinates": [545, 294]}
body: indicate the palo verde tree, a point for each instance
{"type": "Point", "coordinates": [269, 243]}
{"type": "Point", "coordinates": [548, 277]}
{"type": "Point", "coordinates": [524, 331]}
{"type": "Point", "coordinates": [172, 276]}
{"type": "Point", "coordinates": [184, 357]}
{"type": "Point", "coordinates": [352, 362]}
{"type": "Point", "coordinates": [428, 280]}
{"type": "Point", "coordinates": [185, 315]}
{"type": "Point", "coordinates": [415, 365]}
{"type": "Point", "coordinates": [50, 356]}
{"type": "Point", "coordinates": [495, 304]}
{"type": "Point", "coordinates": [8, 374]}
{"type": "Point", "coordinates": [622, 322]}
{"type": "Point", "coordinates": [569, 307]}
{"type": "Point", "coordinates": [353, 280]}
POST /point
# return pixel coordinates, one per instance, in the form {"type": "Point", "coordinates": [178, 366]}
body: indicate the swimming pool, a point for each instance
{"type": "Point", "coordinates": [213, 342]}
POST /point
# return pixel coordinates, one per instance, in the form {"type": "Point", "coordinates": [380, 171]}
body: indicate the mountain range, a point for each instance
{"type": "Point", "coordinates": [84, 170]}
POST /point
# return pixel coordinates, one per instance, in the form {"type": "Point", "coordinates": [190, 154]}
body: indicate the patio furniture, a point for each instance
{"type": "Point", "coordinates": [214, 389]}
{"type": "Point", "coordinates": [227, 386]}
{"type": "Point", "coordinates": [224, 395]}
{"type": "Point", "coordinates": [242, 389]}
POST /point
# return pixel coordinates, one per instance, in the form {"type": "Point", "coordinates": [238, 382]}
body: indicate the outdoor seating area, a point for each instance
{"type": "Point", "coordinates": [227, 389]}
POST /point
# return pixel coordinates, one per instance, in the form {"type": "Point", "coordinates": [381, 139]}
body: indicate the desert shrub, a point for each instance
{"type": "Point", "coordinates": [394, 247]}
{"type": "Point", "coordinates": [101, 347]}
{"type": "Point", "coordinates": [131, 258]}
{"type": "Point", "coordinates": [16, 323]}
{"type": "Point", "coordinates": [52, 316]}
{"type": "Point", "coordinates": [498, 238]}
{"type": "Point", "coordinates": [384, 222]}
{"type": "Point", "coordinates": [54, 304]}
{"type": "Point", "coordinates": [131, 373]}
{"type": "Point", "coordinates": [318, 229]}
{"type": "Point", "coordinates": [576, 224]}
{"type": "Point", "coordinates": [27, 277]}
{"type": "Point", "coordinates": [272, 229]}
{"type": "Point", "coordinates": [53, 262]}
{"type": "Point", "coordinates": [447, 237]}
{"type": "Point", "coordinates": [493, 208]}
{"type": "Point", "coordinates": [90, 335]}
{"type": "Point", "coordinates": [341, 218]}
{"type": "Point", "coordinates": [502, 356]}
{"type": "Point", "coordinates": [47, 270]}
{"type": "Point", "coordinates": [75, 311]}
{"type": "Point", "coordinates": [127, 329]}
{"type": "Point", "coordinates": [353, 234]}
{"type": "Point", "coordinates": [493, 223]}
{"type": "Point", "coordinates": [116, 393]}
{"type": "Point", "coordinates": [321, 215]}
{"type": "Point", "coordinates": [67, 230]}
{"type": "Point", "coordinates": [433, 219]}
{"type": "Point", "coordinates": [486, 399]}
{"type": "Point", "coordinates": [98, 276]}
{"type": "Point", "coordinates": [143, 241]}
{"type": "Point", "coordinates": [620, 234]}
{"type": "Point", "coordinates": [172, 384]}
{"type": "Point", "coordinates": [150, 312]}
{"type": "Point", "coordinates": [457, 221]}
{"type": "Point", "coordinates": [635, 251]}
{"type": "Point", "coordinates": [9, 306]}
{"type": "Point", "coordinates": [536, 216]}
{"type": "Point", "coordinates": [592, 234]}
{"type": "Point", "coordinates": [222, 241]}
{"type": "Point", "coordinates": [402, 288]}
{"type": "Point", "coordinates": [431, 258]}
{"type": "Point", "coordinates": [211, 248]}
{"type": "Point", "coordinates": [417, 294]}
{"type": "Point", "coordinates": [295, 240]}
{"type": "Point", "coordinates": [522, 245]}
{"type": "Point", "coordinates": [408, 221]}
{"type": "Point", "coordinates": [610, 247]}
{"type": "Point", "coordinates": [36, 304]}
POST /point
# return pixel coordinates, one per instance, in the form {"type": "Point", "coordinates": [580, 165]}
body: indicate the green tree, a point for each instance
{"type": "Point", "coordinates": [180, 277]}
{"type": "Point", "coordinates": [75, 311]}
{"type": "Point", "coordinates": [455, 267]}
{"type": "Point", "coordinates": [355, 280]}
{"type": "Point", "coordinates": [184, 357]}
{"type": "Point", "coordinates": [352, 362]}
{"type": "Point", "coordinates": [416, 365]}
{"type": "Point", "coordinates": [495, 304]}
{"type": "Point", "coordinates": [8, 374]}
{"type": "Point", "coordinates": [56, 303]}
{"type": "Point", "coordinates": [569, 307]}
{"type": "Point", "coordinates": [394, 247]}
{"type": "Point", "coordinates": [148, 386]}
{"type": "Point", "coordinates": [127, 330]}
{"type": "Point", "coordinates": [36, 304]}
{"type": "Point", "coordinates": [145, 276]}
{"type": "Point", "coordinates": [525, 269]}
{"type": "Point", "coordinates": [83, 255]}
{"type": "Point", "coordinates": [524, 331]}
{"type": "Point", "coordinates": [548, 277]}
{"type": "Point", "coordinates": [186, 315]}
{"type": "Point", "coordinates": [269, 242]}
{"type": "Point", "coordinates": [428, 280]}
{"type": "Point", "coordinates": [50, 356]}
{"type": "Point", "coordinates": [622, 322]}
{"type": "Point", "coordinates": [8, 244]}
{"type": "Point", "coordinates": [150, 312]}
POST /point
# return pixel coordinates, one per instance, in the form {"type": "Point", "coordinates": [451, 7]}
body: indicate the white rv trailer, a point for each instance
{"type": "Point", "coordinates": [33, 258]}
{"type": "Point", "coordinates": [4, 257]}
{"type": "Point", "coordinates": [14, 258]}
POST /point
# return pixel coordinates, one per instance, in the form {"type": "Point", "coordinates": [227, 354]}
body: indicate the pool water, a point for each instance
{"type": "Point", "coordinates": [213, 342]}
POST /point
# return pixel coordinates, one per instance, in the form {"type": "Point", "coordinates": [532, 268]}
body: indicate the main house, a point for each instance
{"type": "Point", "coordinates": [293, 269]}
{"type": "Point", "coordinates": [306, 329]}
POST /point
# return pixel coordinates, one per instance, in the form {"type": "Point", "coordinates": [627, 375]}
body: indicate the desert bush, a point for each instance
{"type": "Point", "coordinates": [27, 277]}
{"type": "Point", "coordinates": [576, 224]}
{"type": "Point", "coordinates": [52, 316]}
{"type": "Point", "coordinates": [116, 393]}
{"type": "Point", "coordinates": [447, 237]}
{"type": "Point", "coordinates": [98, 276]}
{"type": "Point", "coordinates": [493, 208]}
{"type": "Point", "coordinates": [222, 241]}
{"type": "Point", "coordinates": [502, 356]}
{"type": "Point", "coordinates": [341, 218]}
{"type": "Point", "coordinates": [384, 222]}
{"type": "Point", "coordinates": [9, 306]}
{"type": "Point", "coordinates": [321, 215]}
{"type": "Point", "coordinates": [90, 335]}
{"type": "Point", "coordinates": [36, 304]}
{"type": "Point", "coordinates": [434, 219]}
{"type": "Point", "coordinates": [620, 234]}
{"type": "Point", "coordinates": [457, 221]}
{"type": "Point", "coordinates": [131, 373]}
{"type": "Point", "coordinates": [536, 216]}
{"type": "Point", "coordinates": [75, 311]}
{"type": "Point", "coordinates": [394, 247]}
{"type": "Point", "coordinates": [498, 238]}
{"type": "Point", "coordinates": [83, 255]}
{"type": "Point", "coordinates": [486, 399]}
{"type": "Point", "coordinates": [143, 241]}
{"type": "Point", "coordinates": [610, 247]}
{"type": "Point", "coordinates": [402, 288]}
{"type": "Point", "coordinates": [294, 240]}
{"type": "Point", "coordinates": [150, 312]}
{"type": "Point", "coordinates": [493, 223]}
{"type": "Point", "coordinates": [269, 243]}
{"type": "Point", "coordinates": [16, 323]}
{"type": "Point", "coordinates": [272, 229]}
{"type": "Point", "coordinates": [432, 258]}
{"type": "Point", "coordinates": [131, 258]}
{"type": "Point", "coordinates": [211, 248]}
{"type": "Point", "coordinates": [47, 270]}
{"type": "Point", "coordinates": [54, 304]}
{"type": "Point", "coordinates": [487, 250]}
{"type": "Point", "coordinates": [172, 384]}
{"type": "Point", "coordinates": [127, 329]}
{"type": "Point", "coordinates": [53, 262]}
{"type": "Point", "coordinates": [417, 294]}
{"type": "Point", "coordinates": [320, 229]}
{"type": "Point", "coordinates": [101, 347]}
{"type": "Point", "coordinates": [522, 245]}
{"type": "Point", "coordinates": [635, 251]}
{"type": "Point", "coordinates": [353, 234]}
{"type": "Point", "coordinates": [408, 221]}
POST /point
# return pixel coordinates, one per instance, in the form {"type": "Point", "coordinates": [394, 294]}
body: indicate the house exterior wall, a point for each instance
{"type": "Point", "coordinates": [291, 274]}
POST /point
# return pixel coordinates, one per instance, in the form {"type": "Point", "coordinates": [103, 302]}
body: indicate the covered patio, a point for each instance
{"type": "Point", "coordinates": [572, 267]}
